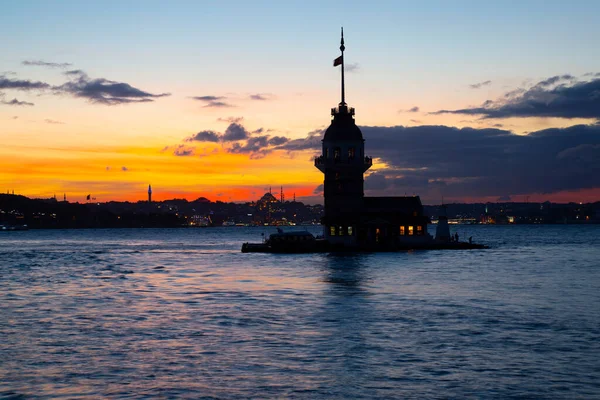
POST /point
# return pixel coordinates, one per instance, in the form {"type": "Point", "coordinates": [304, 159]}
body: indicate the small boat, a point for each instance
{"type": "Point", "coordinates": [284, 242]}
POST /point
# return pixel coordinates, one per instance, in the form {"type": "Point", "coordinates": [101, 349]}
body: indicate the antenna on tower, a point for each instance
{"type": "Point", "coordinates": [342, 48]}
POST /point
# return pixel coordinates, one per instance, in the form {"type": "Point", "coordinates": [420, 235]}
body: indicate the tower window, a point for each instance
{"type": "Point", "coordinates": [332, 231]}
{"type": "Point", "coordinates": [402, 231]}
{"type": "Point", "coordinates": [351, 153]}
{"type": "Point", "coordinates": [336, 153]}
{"type": "Point", "coordinates": [341, 231]}
{"type": "Point", "coordinates": [410, 230]}
{"type": "Point", "coordinates": [350, 231]}
{"type": "Point", "coordinates": [326, 152]}
{"type": "Point", "coordinates": [419, 230]}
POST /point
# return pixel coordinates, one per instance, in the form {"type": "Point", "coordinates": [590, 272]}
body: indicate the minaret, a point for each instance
{"type": "Point", "coordinates": [343, 163]}
{"type": "Point", "coordinates": [149, 193]}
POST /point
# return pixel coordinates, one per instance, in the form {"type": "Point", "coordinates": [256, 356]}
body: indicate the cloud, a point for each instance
{"type": "Point", "coordinates": [40, 63]}
{"type": "Point", "coordinates": [208, 98]}
{"type": "Point", "coordinates": [235, 132]}
{"type": "Point", "coordinates": [184, 151]}
{"type": "Point", "coordinates": [22, 84]}
{"type": "Point", "coordinates": [205, 136]}
{"type": "Point", "coordinates": [278, 140]}
{"type": "Point", "coordinates": [410, 110]}
{"type": "Point", "coordinates": [354, 67]}
{"type": "Point", "coordinates": [104, 91]}
{"type": "Point", "coordinates": [558, 96]}
{"type": "Point", "coordinates": [437, 161]}
{"type": "Point", "coordinates": [15, 102]}
{"type": "Point", "coordinates": [230, 120]}
{"type": "Point", "coordinates": [218, 104]}
{"type": "Point", "coordinates": [213, 101]}
{"type": "Point", "coordinates": [257, 147]}
{"type": "Point", "coordinates": [237, 140]}
{"type": "Point", "coordinates": [261, 96]}
{"type": "Point", "coordinates": [74, 72]}
{"type": "Point", "coordinates": [319, 190]}
{"type": "Point", "coordinates": [312, 141]}
{"type": "Point", "coordinates": [51, 121]}
{"type": "Point", "coordinates": [480, 85]}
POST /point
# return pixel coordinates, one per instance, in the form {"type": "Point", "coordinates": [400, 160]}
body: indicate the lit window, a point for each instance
{"type": "Point", "coordinates": [341, 231]}
{"type": "Point", "coordinates": [419, 230]}
{"type": "Point", "coordinates": [402, 233]}
{"type": "Point", "coordinates": [332, 231]}
{"type": "Point", "coordinates": [410, 230]}
{"type": "Point", "coordinates": [349, 231]}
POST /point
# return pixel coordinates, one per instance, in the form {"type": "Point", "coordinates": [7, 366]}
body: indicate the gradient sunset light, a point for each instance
{"type": "Point", "coordinates": [469, 101]}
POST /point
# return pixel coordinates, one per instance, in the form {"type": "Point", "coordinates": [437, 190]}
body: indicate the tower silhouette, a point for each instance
{"type": "Point", "coordinates": [343, 164]}
{"type": "Point", "coordinates": [149, 193]}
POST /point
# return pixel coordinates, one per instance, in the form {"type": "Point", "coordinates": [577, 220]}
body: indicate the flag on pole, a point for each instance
{"type": "Point", "coordinates": [338, 61]}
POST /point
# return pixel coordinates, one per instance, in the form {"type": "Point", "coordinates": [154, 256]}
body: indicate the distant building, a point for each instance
{"type": "Point", "coordinates": [149, 193]}
{"type": "Point", "coordinates": [351, 219]}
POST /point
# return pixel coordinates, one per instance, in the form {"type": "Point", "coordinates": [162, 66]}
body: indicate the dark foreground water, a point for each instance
{"type": "Point", "coordinates": [183, 314]}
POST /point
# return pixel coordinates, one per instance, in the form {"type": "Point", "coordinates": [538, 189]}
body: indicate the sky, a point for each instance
{"type": "Point", "coordinates": [457, 100]}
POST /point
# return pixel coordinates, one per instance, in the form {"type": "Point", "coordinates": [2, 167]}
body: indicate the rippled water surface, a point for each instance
{"type": "Point", "coordinates": [183, 314]}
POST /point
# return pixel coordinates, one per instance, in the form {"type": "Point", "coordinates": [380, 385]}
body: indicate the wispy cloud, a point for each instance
{"type": "Point", "coordinates": [41, 63]}
{"type": "Point", "coordinates": [22, 84]}
{"type": "Point", "coordinates": [212, 101]}
{"type": "Point", "coordinates": [410, 110]}
{"type": "Point", "coordinates": [230, 120]}
{"type": "Point", "coordinates": [353, 67]}
{"type": "Point", "coordinates": [53, 122]}
{"type": "Point", "coordinates": [184, 151]}
{"type": "Point", "coordinates": [218, 104]}
{"type": "Point", "coordinates": [208, 98]}
{"type": "Point", "coordinates": [261, 96]}
{"type": "Point", "coordinates": [17, 103]}
{"type": "Point", "coordinates": [480, 85]}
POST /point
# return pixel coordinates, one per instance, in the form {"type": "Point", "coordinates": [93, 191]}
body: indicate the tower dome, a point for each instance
{"type": "Point", "coordinates": [343, 126]}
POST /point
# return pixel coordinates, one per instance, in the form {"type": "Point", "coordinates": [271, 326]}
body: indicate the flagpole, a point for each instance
{"type": "Point", "coordinates": [342, 48]}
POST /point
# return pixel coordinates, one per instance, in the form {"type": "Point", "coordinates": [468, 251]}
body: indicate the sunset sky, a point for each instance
{"type": "Point", "coordinates": [469, 101]}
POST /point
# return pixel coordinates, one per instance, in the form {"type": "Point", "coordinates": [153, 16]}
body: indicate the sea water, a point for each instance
{"type": "Point", "coordinates": [182, 313]}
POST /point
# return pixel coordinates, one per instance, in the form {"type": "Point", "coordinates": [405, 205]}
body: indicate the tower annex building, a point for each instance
{"type": "Point", "coordinates": [351, 219]}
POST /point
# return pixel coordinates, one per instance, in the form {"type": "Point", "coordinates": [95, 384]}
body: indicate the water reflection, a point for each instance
{"type": "Point", "coordinates": [345, 273]}
{"type": "Point", "coordinates": [346, 319]}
